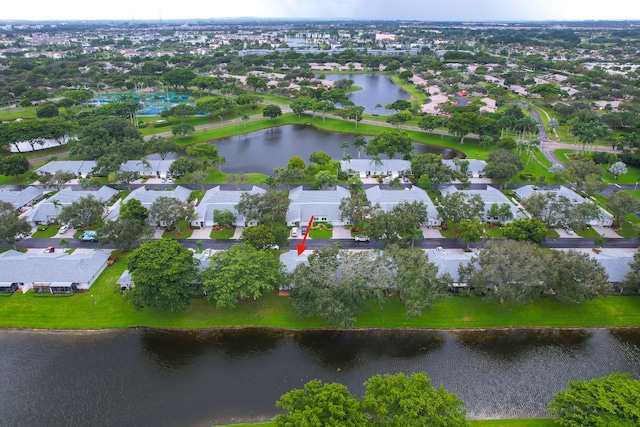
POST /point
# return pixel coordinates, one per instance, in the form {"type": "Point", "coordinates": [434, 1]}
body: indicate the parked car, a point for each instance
{"type": "Point", "coordinates": [361, 238]}
{"type": "Point", "coordinates": [303, 229]}
{"type": "Point", "coordinates": [272, 247]}
{"type": "Point", "coordinates": [113, 258]}
{"type": "Point", "coordinates": [63, 229]}
{"type": "Point", "coordinates": [49, 250]}
{"type": "Point", "coordinates": [89, 236]}
{"type": "Point", "coordinates": [294, 232]}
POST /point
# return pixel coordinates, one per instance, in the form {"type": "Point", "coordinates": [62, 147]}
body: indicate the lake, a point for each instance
{"type": "Point", "coordinates": [265, 150]}
{"type": "Point", "coordinates": [140, 377]}
{"type": "Point", "coordinates": [376, 89]}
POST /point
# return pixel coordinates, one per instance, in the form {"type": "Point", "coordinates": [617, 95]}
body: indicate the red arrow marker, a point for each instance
{"type": "Point", "coordinates": [301, 246]}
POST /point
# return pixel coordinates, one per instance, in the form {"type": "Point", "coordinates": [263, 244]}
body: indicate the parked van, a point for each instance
{"type": "Point", "coordinates": [294, 232]}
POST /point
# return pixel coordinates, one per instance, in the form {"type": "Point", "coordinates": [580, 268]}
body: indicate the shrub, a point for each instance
{"type": "Point", "coordinates": [527, 177]}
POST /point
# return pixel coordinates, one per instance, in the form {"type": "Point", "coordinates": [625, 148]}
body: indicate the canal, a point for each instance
{"type": "Point", "coordinates": [139, 377]}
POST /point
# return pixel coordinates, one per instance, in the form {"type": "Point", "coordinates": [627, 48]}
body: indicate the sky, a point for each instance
{"type": "Point", "coordinates": [419, 10]}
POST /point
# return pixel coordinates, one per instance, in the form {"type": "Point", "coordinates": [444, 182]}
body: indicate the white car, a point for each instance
{"type": "Point", "coordinates": [361, 238]}
{"type": "Point", "coordinates": [294, 232]}
{"type": "Point", "coordinates": [272, 247]}
{"type": "Point", "coordinates": [63, 229]}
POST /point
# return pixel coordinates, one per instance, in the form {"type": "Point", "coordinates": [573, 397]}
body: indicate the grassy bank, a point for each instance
{"type": "Point", "coordinates": [523, 422]}
{"type": "Point", "coordinates": [104, 307]}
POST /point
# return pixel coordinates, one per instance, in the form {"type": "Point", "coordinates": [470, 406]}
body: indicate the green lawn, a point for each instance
{"type": "Point", "coordinates": [588, 233]}
{"type": "Point", "coordinates": [320, 234]}
{"type": "Point", "coordinates": [17, 113]}
{"type": "Point", "coordinates": [51, 231]}
{"type": "Point", "coordinates": [518, 422]}
{"type": "Point", "coordinates": [108, 309]}
{"type": "Point", "coordinates": [225, 233]}
{"type": "Point", "coordinates": [184, 232]}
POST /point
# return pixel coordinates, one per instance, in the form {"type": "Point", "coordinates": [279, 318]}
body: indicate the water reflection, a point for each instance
{"type": "Point", "coordinates": [512, 344]}
{"type": "Point", "coordinates": [376, 89]}
{"type": "Point", "coordinates": [204, 378]}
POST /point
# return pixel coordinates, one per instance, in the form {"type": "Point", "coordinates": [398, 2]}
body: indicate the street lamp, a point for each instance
{"type": "Point", "coordinates": [220, 120]}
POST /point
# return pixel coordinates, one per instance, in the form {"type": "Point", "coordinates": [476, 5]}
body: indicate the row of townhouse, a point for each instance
{"type": "Point", "coordinates": [84, 168]}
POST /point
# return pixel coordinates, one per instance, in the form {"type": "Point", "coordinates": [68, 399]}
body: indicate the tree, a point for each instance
{"type": "Point", "coordinates": [578, 170]}
{"type": "Point", "coordinates": [400, 400]}
{"type": "Point", "coordinates": [57, 179]}
{"type": "Point", "coordinates": [89, 183]}
{"type": "Point", "coordinates": [162, 146]}
{"type": "Point", "coordinates": [12, 227]}
{"type": "Point", "coordinates": [617, 169]}
{"type": "Point", "coordinates": [335, 285]}
{"type": "Point", "coordinates": [183, 130]}
{"type": "Point", "coordinates": [240, 272]}
{"type": "Point", "coordinates": [458, 206]}
{"type": "Point", "coordinates": [47, 110]}
{"type": "Point", "coordinates": [525, 229]}
{"type": "Point", "coordinates": [169, 212]}
{"type": "Point", "coordinates": [508, 271]}
{"type": "Point", "coordinates": [390, 143]}
{"type": "Point", "coordinates": [607, 401]}
{"type": "Point", "coordinates": [258, 237]}
{"type": "Point", "coordinates": [359, 142]}
{"type": "Point", "coordinates": [416, 280]}
{"type": "Point", "coordinates": [396, 225]}
{"type": "Point", "coordinates": [558, 211]}
{"type": "Point", "coordinates": [355, 209]}
{"type": "Point", "coordinates": [163, 271]}
{"type": "Point", "coordinates": [302, 104]}
{"type": "Point", "coordinates": [317, 404]}
{"type": "Point", "coordinates": [462, 124]}
{"type": "Point", "coordinates": [197, 177]}
{"type": "Point", "coordinates": [296, 163]}
{"type": "Point", "coordinates": [133, 209]}
{"type": "Point", "coordinates": [500, 212]}
{"type": "Point", "coordinates": [576, 277]}
{"type": "Point", "coordinates": [127, 177]}
{"type": "Point", "coordinates": [272, 111]}
{"type": "Point", "coordinates": [429, 122]}
{"type": "Point", "coordinates": [324, 179]}
{"type": "Point", "coordinates": [621, 204]}
{"type": "Point", "coordinates": [224, 217]}
{"type": "Point", "coordinates": [13, 165]}
{"type": "Point", "coordinates": [631, 282]}
{"type": "Point", "coordinates": [471, 231]}
{"type": "Point", "coordinates": [84, 212]}
{"type": "Point", "coordinates": [398, 105]}
{"type": "Point", "coordinates": [206, 154]}
{"type": "Point", "coordinates": [502, 165]}
{"type": "Point", "coordinates": [268, 208]}
{"type": "Point", "coordinates": [126, 234]}
{"type": "Point", "coordinates": [182, 111]}
{"type": "Point", "coordinates": [108, 163]}
{"type": "Point", "coordinates": [320, 158]}
{"type": "Point", "coordinates": [181, 166]}
{"type": "Point", "coordinates": [434, 168]}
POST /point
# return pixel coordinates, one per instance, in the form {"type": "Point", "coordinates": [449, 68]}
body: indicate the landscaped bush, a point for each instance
{"type": "Point", "coordinates": [527, 177]}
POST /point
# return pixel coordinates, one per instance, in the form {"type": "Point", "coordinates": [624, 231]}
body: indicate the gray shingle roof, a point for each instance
{"type": "Point", "coordinates": [219, 199]}
{"type": "Point", "coordinates": [319, 203]}
{"type": "Point", "coordinates": [46, 210]}
{"type": "Point", "coordinates": [490, 196]}
{"type": "Point", "coordinates": [363, 165]}
{"type": "Point", "coordinates": [388, 199]}
{"type": "Point", "coordinates": [22, 197]}
{"type": "Point", "coordinates": [48, 268]}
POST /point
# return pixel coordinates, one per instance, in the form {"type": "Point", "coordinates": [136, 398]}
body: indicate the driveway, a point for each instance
{"type": "Point", "coordinates": [563, 234]}
{"type": "Point", "coordinates": [341, 233]}
{"type": "Point", "coordinates": [431, 233]}
{"type": "Point", "coordinates": [201, 233]}
{"type": "Point", "coordinates": [606, 232]}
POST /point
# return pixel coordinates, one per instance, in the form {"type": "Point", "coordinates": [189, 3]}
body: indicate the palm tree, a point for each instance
{"type": "Point", "coordinates": [359, 142]}
{"type": "Point", "coordinates": [344, 146]}
{"type": "Point", "coordinates": [347, 158]}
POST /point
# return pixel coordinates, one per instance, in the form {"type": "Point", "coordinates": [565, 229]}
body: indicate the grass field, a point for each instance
{"type": "Point", "coordinates": [528, 422]}
{"type": "Point", "coordinates": [104, 307]}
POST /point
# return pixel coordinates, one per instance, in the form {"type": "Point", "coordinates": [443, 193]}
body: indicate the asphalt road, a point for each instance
{"type": "Point", "coordinates": [568, 243]}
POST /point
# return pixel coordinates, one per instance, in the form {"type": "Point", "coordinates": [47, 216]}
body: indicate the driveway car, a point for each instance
{"type": "Point", "coordinates": [271, 247]}
{"type": "Point", "coordinates": [63, 229]}
{"type": "Point", "coordinates": [294, 232]}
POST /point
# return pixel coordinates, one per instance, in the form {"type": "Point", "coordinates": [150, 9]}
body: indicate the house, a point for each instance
{"type": "Point", "coordinates": [527, 191]}
{"type": "Point", "coordinates": [21, 199]}
{"type": "Point", "coordinates": [80, 168]}
{"type": "Point", "coordinates": [368, 167]}
{"type": "Point", "coordinates": [55, 273]}
{"type": "Point", "coordinates": [148, 168]}
{"type": "Point", "coordinates": [323, 205]}
{"type": "Point", "coordinates": [219, 199]}
{"type": "Point", "coordinates": [475, 169]}
{"type": "Point", "coordinates": [47, 211]}
{"type": "Point", "coordinates": [490, 196]}
{"type": "Point", "coordinates": [449, 261]}
{"type": "Point", "coordinates": [388, 199]}
{"type": "Point", "coordinates": [147, 197]}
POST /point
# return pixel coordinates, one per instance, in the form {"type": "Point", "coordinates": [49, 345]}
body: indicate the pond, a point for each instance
{"type": "Point", "coordinates": [203, 378]}
{"type": "Point", "coordinates": [265, 150]}
{"type": "Point", "coordinates": [376, 89]}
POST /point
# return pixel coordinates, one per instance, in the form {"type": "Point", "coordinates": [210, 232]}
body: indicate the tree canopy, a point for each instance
{"type": "Point", "coordinates": [163, 271]}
